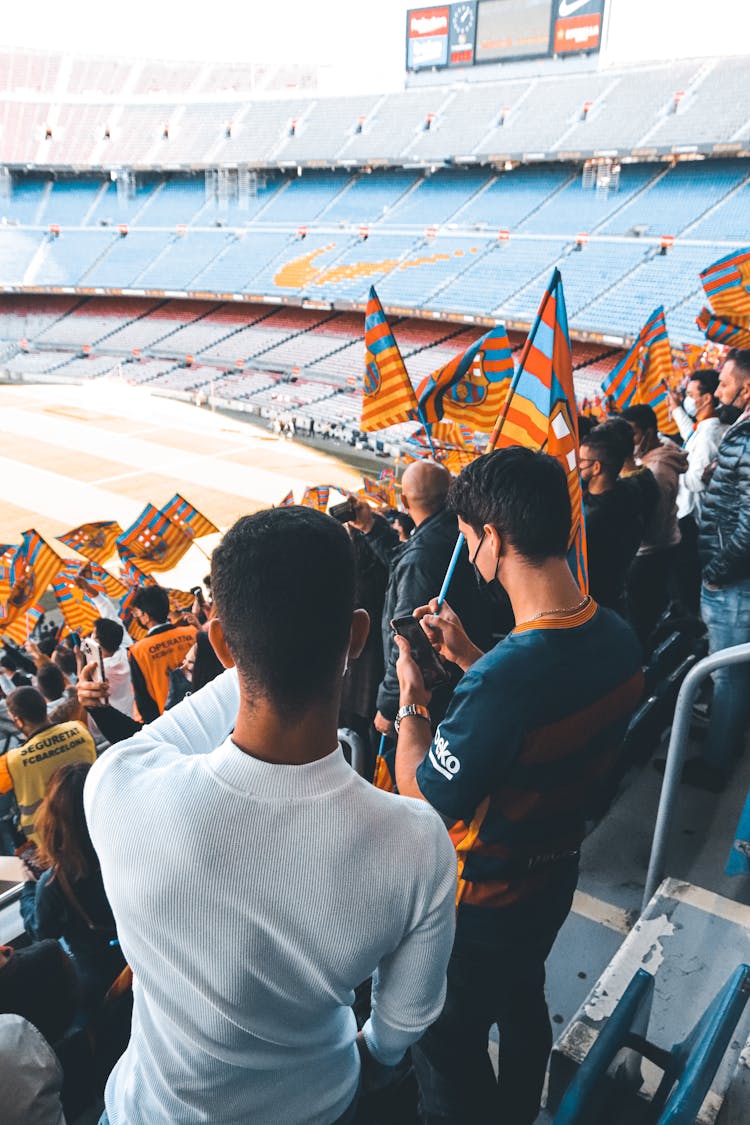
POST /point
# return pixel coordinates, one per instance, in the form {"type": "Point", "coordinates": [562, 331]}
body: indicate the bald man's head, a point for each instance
{"type": "Point", "coordinates": [424, 488]}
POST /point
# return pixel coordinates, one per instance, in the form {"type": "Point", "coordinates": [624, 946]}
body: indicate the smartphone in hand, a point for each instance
{"type": "Point", "coordinates": [433, 669]}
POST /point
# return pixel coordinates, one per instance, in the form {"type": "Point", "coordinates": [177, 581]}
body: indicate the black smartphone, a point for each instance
{"type": "Point", "coordinates": [197, 593]}
{"type": "Point", "coordinates": [430, 664]}
{"type": "Point", "coordinates": [345, 512]}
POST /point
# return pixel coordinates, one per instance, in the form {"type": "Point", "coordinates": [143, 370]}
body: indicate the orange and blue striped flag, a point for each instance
{"type": "Point", "coordinates": [190, 521]}
{"type": "Point", "coordinates": [471, 387]}
{"type": "Point", "coordinates": [540, 412]}
{"type": "Point", "coordinates": [30, 571]}
{"type": "Point", "coordinates": [380, 491]}
{"type": "Point", "coordinates": [316, 497]}
{"type": "Point", "coordinates": [727, 284]}
{"type": "Point", "coordinates": [102, 581]}
{"type": "Point", "coordinates": [154, 541]}
{"type": "Point", "coordinates": [723, 331]}
{"type": "Point", "coordinates": [642, 376]}
{"type": "Point", "coordinates": [94, 540]}
{"type": "Point", "coordinates": [21, 629]}
{"type": "Point", "coordinates": [77, 608]}
{"type": "Point", "coordinates": [288, 501]}
{"type": "Point", "coordinates": [389, 396]}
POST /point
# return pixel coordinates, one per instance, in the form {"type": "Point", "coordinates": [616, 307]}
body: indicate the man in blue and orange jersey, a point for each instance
{"type": "Point", "coordinates": [526, 753]}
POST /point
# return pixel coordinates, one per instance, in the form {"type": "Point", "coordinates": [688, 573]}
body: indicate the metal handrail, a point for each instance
{"type": "Point", "coordinates": [678, 742]}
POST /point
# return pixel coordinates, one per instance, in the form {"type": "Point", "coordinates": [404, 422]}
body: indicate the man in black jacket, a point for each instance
{"type": "Point", "coordinates": [724, 546]}
{"type": "Point", "coordinates": [417, 570]}
{"type": "Point", "coordinates": [614, 526]}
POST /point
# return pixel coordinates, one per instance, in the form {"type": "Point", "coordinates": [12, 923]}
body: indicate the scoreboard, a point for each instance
{"type": "Point", "coordinates": [477, 31]}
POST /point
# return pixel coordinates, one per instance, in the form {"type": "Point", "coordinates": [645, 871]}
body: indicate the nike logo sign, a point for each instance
{"type": "Point", "coordinates": [568, 7]}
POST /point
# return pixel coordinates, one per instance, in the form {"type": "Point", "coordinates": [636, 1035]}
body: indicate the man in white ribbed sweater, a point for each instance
{"type": "Point", "coordinates": [254, 877]}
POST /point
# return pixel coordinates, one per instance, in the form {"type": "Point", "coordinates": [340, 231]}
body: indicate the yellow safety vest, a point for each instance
{"type": "Point", "coordinates": [31, 766]}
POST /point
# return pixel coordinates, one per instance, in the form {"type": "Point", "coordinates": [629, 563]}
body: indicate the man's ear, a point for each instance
{"type": "Point", "coordinates": [218, 642]}
{"type": "Point", "coordinates": [496, 541]}
{"type": "Point", "coordinates": [360, 632]}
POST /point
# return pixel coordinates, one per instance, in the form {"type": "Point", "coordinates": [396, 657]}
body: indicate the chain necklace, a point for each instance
{"type": "Point", "coordinates": [550, 612]}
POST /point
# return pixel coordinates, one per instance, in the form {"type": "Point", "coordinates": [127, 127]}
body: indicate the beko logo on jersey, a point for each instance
{"type": "Point", "coordinates": [445, 763]}
{"type": "Point", "coordinates": [569, 7]}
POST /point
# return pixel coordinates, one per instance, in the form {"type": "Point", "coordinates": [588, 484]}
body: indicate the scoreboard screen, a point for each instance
{"type": "Point", "coordinates": [512, 29]}
{"type": "Point", "coordinates": [475, 31]}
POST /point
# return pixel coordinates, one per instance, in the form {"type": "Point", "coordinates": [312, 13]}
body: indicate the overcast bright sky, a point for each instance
{"type": "Point", "coordinates": [362, 40]}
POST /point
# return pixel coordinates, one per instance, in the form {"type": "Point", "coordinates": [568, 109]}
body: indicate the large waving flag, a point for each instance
{"type": "Point", "coordinates": [727, 284]}
{"type": "Point", "coordinates": [316, 497]}
{"type": "Point", "coordinates": [21, 629]}
{"type": "Point", "coordinates": [471, 387]}
{"type": "Point", "coordinates": [190, 521]}
{"type": "Point", "coordinates": [154, 541]}
{"type": "Point", "coordinates": [29, 573]}
{"type": "Point", "coordinates": [102, 581]}
{"type": "Point", "coordinates": [77, 608]}
{"type": "Point", "coordinates": [726, 332]}
{"type": "Point", "coordinates": [389, 396]}
{"type": "Point", "coordinates": [540, 411]}
{"type": "Point", "coordinates": [642, 375]}
{"type": "Point", "coordinates": [94, 540]}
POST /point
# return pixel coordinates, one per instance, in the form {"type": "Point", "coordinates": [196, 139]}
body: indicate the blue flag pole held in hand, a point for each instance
{"type": "Point", "coordinates": [449, 572]}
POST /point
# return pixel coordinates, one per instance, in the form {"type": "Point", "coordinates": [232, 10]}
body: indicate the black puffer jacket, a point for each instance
{"type": "Point", "coordinates": [724, 530]}
{"type": "Point", "coordinates": [417, 569]}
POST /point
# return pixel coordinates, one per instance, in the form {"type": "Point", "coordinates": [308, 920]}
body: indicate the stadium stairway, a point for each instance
{"type": "Point", "coordinates": [715, 206]}
{"type": "Point", "coordinates": [606, 219]}
{"type": "Point", "coordinates": [256, 355]}
{"type": "Point", "coordinates": [470, 263]}
{"type": "Point", "coordinates": [540, 278]}
{"type": "Point", "coordinates": [648, 255]}
{"type": "Point", "coordinates": [547, 199]}
{"type": "Point", "coordinates": [475, 197]}
{"type": "Point", "coordinates": [194, 320]}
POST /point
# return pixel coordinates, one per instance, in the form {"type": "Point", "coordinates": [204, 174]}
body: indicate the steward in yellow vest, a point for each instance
{"type": "Point", "coordinates": [27, 769]}
{"type": "Point", "coordinates": [161, 651]}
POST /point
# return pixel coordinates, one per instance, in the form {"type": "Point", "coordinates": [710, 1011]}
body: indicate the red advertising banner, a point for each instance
{"type": "Point", "coordinates": [427, 37]}
{"type": "Point", "coordinates": [578, 26]}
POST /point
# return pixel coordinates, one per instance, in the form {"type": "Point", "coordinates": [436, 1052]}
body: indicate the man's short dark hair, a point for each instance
{"type": "Point", "coordinates": [605, 446]}
{"type": "Point", "coordinates": [641, 416]}
{"type": "Point", "coordinates": [521, 493]}
{"type": "Point", "coordinates": [740, 357]}
{"type": "Point", "coordinates": [9, 663]}
{"type": "Point", "coordinates": [623, 432]}
{"type": "Point", "coordinates": [108, 633]}
{"type": "Point", "coordinates": [50, 682]}
{"type": "Point", "coordinates": [28, 704]}
{"type": "Point", "coordinates": [707, 379]}
{"type": "Point", "coordinates": [153, 600]}
{"type": "Point", "coordinates": [65, 659]}
{"type": "Point", "coordinates": [283, 585]}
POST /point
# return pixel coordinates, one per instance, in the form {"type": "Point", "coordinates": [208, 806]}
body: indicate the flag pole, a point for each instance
{"type": "Point", "coordinates": [428, 435]}
{"type": "Point", "coordinates": [495, 435]}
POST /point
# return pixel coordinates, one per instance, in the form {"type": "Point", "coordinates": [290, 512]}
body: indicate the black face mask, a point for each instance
{"type": "Point", "coordinates": [729, 414]}
{"type": "Point", "coordinates": [492, 589]}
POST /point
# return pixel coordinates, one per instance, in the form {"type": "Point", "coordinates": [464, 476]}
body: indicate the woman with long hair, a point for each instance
{"type": "Point", "coordinates": [69, 901]}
